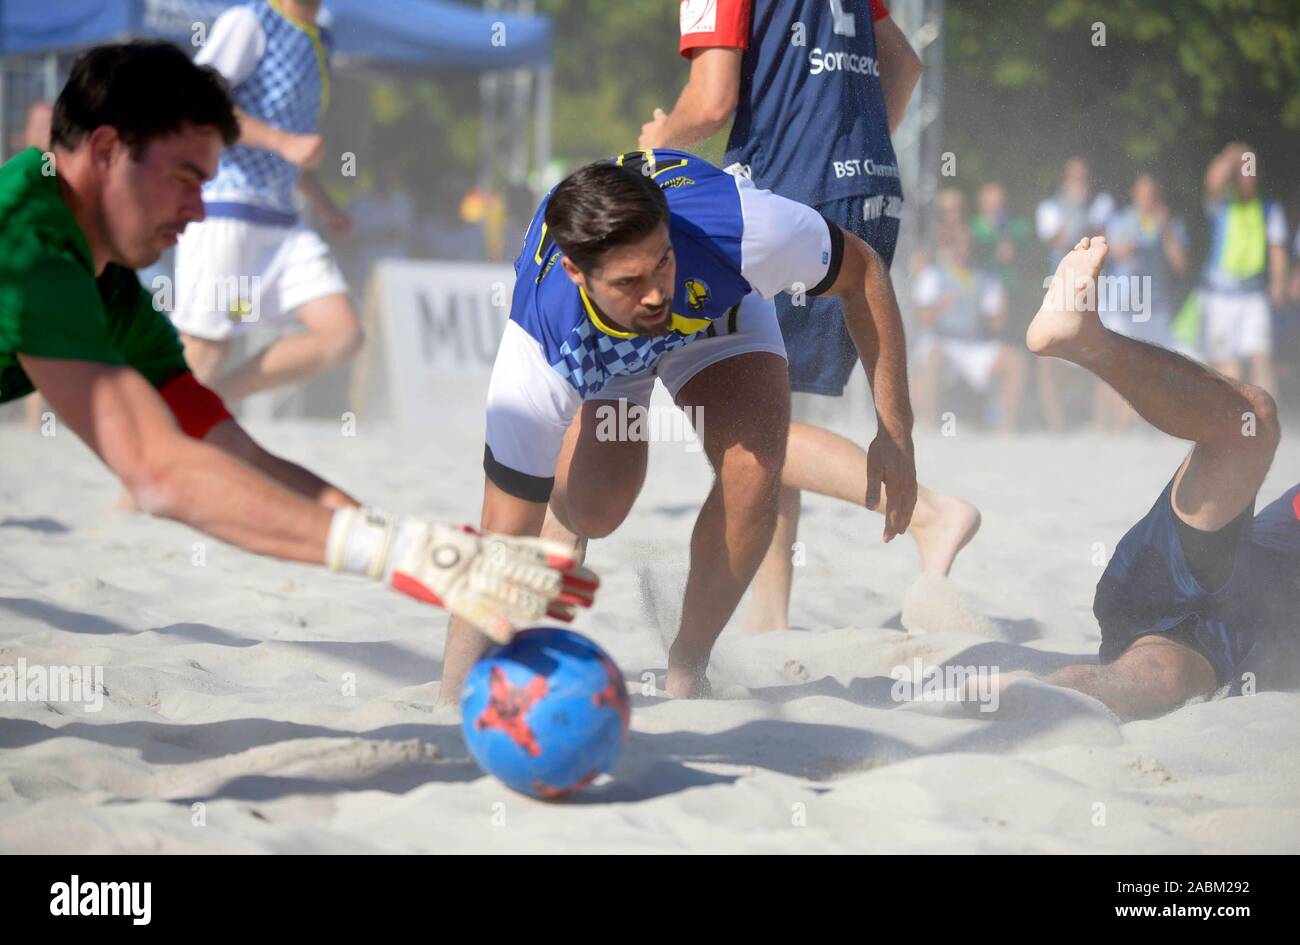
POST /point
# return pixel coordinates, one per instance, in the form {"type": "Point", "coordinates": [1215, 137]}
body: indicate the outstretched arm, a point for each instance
{"type": "Point", "coordinates": [120, 416]}
{"type": "Point", "coordinates": [233, 439]}
{"type": "Point", "coordinates": [1219, 174]}
{"type": "Point", "coordinates": [497, 583]}
{"type": "Point", "coordinates": [874, 322]}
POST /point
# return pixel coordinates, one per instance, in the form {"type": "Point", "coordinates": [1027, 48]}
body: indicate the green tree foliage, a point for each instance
{"type": "Point", "coordinates": [615, 62]}
{"type": "Point", "coordinates": [1029, 84]}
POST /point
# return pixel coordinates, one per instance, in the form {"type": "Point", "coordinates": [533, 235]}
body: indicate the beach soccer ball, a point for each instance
{"type": "Point", "coordinates": [546, 713]}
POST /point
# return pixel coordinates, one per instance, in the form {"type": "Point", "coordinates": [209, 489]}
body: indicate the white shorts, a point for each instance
{"type": "Point", "coordinates": [232, 273]}
{"type": "Point", "coordinates": [1235, 325]}
{"type": "Point", "coordinates": [973, 360]}
{"type": "Point", "coordinates": [756, 330]}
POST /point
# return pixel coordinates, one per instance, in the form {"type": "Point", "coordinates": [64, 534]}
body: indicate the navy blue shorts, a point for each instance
{"type": "Point", "coordinates": [817, 343]}
{"type": "Point", "coordinates": [1246, 626]}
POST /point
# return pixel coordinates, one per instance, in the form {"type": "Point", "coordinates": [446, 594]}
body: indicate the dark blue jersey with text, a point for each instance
{"type": "Point", "coordinates": [811, 123]}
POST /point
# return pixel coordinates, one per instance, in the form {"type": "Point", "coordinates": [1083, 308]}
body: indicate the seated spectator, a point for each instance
{"type": "Point", "coordinates": [961, 311]}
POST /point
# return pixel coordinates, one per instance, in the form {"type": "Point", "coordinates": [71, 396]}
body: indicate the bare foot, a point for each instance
{"type": "Point", "coordinates": [1067, 322]}
{"type": "Point", "coordinates": [687, 682]}
{"type": "Point", "coordinates": [941, 536]}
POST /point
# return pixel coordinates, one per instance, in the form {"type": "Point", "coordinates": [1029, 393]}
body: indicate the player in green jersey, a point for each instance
{"type": "Point", "coordinates": [136, 131]}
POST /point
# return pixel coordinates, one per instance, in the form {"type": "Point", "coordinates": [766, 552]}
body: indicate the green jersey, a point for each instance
{"type": "Point", "coordinates": [51, 303]}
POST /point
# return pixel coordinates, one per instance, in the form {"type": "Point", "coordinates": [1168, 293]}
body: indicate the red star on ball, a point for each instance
{"type": "Point", "coordinates": [508, 707]}
{"type": "Point", "coordinates": [614, 695]}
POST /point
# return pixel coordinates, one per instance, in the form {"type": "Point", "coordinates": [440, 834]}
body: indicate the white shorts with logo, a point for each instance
{"type": "Point", "coordinates": [1235, 325]}
{"type": "Point", "coordinates": [530, 405]}
{"type": "Point", "coordinates": [757, 329]}
{"type": "Point", "coordinates": [232, 274]}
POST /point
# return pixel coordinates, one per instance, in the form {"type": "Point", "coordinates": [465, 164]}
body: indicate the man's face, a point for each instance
{"type": "Point", "coordinates": [633, 284]}
{"type": "Point", "coordinates": [148, 202]}
{"type": "Point", "coordinates": [1145, 193]}
{"type": "Point", "coordinates": [1074, 180]}
{"type": "Point", "coordinates": [993, 199]}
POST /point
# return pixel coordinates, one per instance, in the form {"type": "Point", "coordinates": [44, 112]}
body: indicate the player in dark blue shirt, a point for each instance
{"type": "Point", "coordinates": [1202, 595]}
{"type": "Point", "coordinates": [817, 88]}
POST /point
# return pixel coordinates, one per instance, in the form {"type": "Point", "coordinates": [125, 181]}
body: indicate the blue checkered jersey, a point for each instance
{"type": "Point", "coordinates": [729, 239]}
{"type": "Point", "coordinates": [277, 68]}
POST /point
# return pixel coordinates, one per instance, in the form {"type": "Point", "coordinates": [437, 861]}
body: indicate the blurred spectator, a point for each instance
{"type": "Point", "coordinates": [486, 209]}
{"type": "Point", "coordinates": [961, 311]}
{"type": "Point", "coordinates": [1148, 255]}
{"type": "Point", "coordinates": [1061, 220]}
{"type": "Point", "coordinates": [1073, 212]}
{"type": "Point", "coordinates": [950, 208]}
{"type": "Point", "coordinates": [1001, 244]}
{"type": "Point", "coordinates": [1245, 273]}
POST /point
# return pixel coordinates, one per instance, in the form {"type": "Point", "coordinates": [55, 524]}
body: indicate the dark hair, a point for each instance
{"type": "Point", "coordinates": [145, 89]}
{"type": "Point", "coordinates": [601, 206]}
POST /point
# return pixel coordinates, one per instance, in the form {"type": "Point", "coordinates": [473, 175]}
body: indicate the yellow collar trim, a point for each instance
{"type": "Point", "coordinates": [596, 320]}
{"type": "Point", "coordinates": [678, 323]}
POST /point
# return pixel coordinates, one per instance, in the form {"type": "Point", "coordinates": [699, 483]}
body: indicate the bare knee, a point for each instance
{"type": "Point", "coordinates": [1170, 673]}
{"type": "Point", "coordinates": [751, 478]}
{"type": "Point", "coordinates": [596, 515]}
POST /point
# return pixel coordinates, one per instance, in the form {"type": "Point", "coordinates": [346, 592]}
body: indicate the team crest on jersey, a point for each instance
{"type": "Point", "coordinates": [697, 294]}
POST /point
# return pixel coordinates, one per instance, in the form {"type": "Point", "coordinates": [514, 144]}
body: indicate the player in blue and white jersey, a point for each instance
{"type": "Point", "coordinates": [252, 260]}
{"type": "Point", "coordinates": [659, 264]}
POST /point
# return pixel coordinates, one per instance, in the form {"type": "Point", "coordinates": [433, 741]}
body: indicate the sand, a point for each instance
{"type": "Point", "coordinates": [255, 705]}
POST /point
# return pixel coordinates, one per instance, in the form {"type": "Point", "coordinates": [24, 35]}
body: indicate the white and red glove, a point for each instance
{"type": "Point", "coordinates": [498, 583]}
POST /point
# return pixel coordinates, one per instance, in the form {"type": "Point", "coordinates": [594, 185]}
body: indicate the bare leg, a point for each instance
{"type": "Point", "coordinates": [826, 463]}
{"type": "Point", "coordinates": [1233, 426]}
{"type": "Point", "coordinates": [333, 336]}
{"type": "Point", "coordinates": [820, 461]}
{"type": "Point", "coordinates": [769, 609]}
{"type": "Point", "coordinates": [595, 485]}
{"type": "Point", "coordinates": [1153, 676]}
{"type": "Point", "coordinates": [1049, 396]}
{"type": "Point", "coordinates": [747, 402]}
{"type": "Point", "coordinates": [1234, 430]}
{"type": "Point", "coordinates": [926, 389]}
{"type": "Point", "coordinates": [1010, 369]}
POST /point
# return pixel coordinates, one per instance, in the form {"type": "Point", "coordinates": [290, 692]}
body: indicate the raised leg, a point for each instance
{"type": "Point", "coordinates": [333, 336]}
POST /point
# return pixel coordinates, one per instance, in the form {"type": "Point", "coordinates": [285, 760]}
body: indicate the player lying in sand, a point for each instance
{"type": "Point", "coordinates": [1201, 594]}
{"type": "Point", "coordinates": [659, 264]}
{"type": "Point", "coordinates": [136, 132]}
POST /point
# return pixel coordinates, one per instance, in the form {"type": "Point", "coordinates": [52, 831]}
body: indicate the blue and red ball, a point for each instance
{"type": "Point", "coordinates": [546, 713]}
